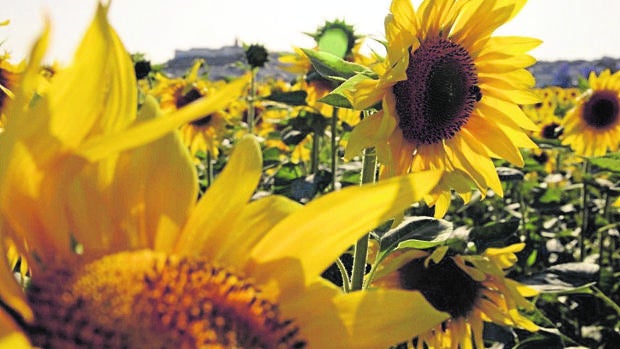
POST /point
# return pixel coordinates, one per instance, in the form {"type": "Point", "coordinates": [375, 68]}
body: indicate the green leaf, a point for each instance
{"type": "Point", "coordinates": [610, 162]}
{"type": "Point", "coordinates": [565, 278]}
{"type": "Point", "coordinates": [551, 195]}
{"type": "Point", "coordinates": [531, 259]}
{"type": "Point", "coordinates": [417, 232]}
{"type": "Point", "coordinates": [338, 98]}
{"type": "Point", "coordinates": [509, 174]}
{"type": "Point", "coordinates": [335, 68]}
{"type": "Point", "coordinates": [494, 234]}
{"type": "Point", "coordinates": [293, 98]}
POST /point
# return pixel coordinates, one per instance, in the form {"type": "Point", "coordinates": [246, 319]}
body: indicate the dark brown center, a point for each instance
{"type": "Point", "coordinates": [189, 97]}
{"type": "Point", "coordinates": [446, 286]}
{"type": "Point", "coordinates": [601, 110]}
{"type": "Point", "coordinates": [439, 94]}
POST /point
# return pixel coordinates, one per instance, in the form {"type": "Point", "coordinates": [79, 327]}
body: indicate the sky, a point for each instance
{"type": "Point", "coordinates": [570, 29]}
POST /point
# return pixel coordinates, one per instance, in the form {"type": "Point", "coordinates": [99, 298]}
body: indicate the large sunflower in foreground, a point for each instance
{"type": "Point", "coordinates": [450, 93]}
{"type": "Point", "coordinates": [592, 127]}
{"type": "Point", "coordinates": [473, 289]}
{"type": "Point", "coordinates": [101, 201]}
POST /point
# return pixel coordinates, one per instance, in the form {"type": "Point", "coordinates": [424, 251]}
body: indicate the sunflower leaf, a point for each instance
{"type": "Point", "coordinates": [494, 234]}
{"type": "Point", "coordinates": [417, 232]}
{"type": "Point", "coordinates": [334, 68]}
{"type": "Point", "coordinates": [610, 162]}
{"type": "Point", "coordinates": [292, 98]}
{"type": "Point", "coordinates": [338, 97]}
{"type": "Point", "coordinates": [565, 278]}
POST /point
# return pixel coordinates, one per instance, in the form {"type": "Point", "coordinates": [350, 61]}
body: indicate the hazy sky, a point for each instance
{"type": "Point", "coordinates": [570, 29]}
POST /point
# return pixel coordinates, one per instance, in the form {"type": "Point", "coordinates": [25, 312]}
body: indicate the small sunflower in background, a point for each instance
{"type": "Point", "coordinates": [592, 127]}
{"type": "Point", "coordinates": [335, 37]}
{"type": "Point", "coordinates": [206, 133]}
{"type": "Point", "coordinates": [544, 109]}
{"type": "Point", "coordinates": [8, 78]}
{"type": "Point", "coordinates": [450, 95]}
{"type": "Point", "coordinates": [473, 289]}
{"type": "Point", "coordinates": [122, 255]}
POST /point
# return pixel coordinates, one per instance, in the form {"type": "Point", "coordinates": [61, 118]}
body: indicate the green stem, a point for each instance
{"type": "Point", "coordinates": [598, 293]}
{"type": "Point", "coordinates": [585, 212]}
{"type": "Point", "coordinates": [251, 98]}
{"type": "Point", "coordinates": [360, 252]}
{"type": "Point", "coordinates": [346, 286]}
{"type": "Point", "coordinates": [314, 165]}
{"type": "Point", "coordinates": [209, 169]}
{"type": "Point", "coordinates": [334, 146]}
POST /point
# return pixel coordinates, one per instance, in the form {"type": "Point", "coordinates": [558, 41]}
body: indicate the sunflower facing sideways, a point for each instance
{"type": "Point", "coordinates": [450, 95]}
{"type": "Point", "coordinates": [592, 127]}
{"type": "Point", "coordinates": [101, 200]}
{"type": "Point", "coordinates": [472, 288]}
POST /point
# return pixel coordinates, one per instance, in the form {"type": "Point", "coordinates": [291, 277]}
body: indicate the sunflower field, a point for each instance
{"type": "Point", "coordinates": [429, 196]}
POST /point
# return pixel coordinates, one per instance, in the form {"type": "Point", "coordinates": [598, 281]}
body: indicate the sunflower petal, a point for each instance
{"type": "Point", "coordinates": [334, 222]}
{"type": "Point", "coordinates": [366, 319]}
{"type": "Point", "coordinates": [221, 205]}
{"type": "Point", "coordinates": [147, 131]}
{"type": "Point", "coordinates": [257, 218]}
{"type": "Point", "coordinates": [107, 94]}
{"type": "Point", "coordinates": [11, 336]}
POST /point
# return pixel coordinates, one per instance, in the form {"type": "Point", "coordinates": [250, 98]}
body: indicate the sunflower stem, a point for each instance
{"type": "Point", "coordinates": [334, 147]}
{"type": "Point", "coordinates": [209, 169]}
{"type": "Point", "coordinates": [251, 98]}
{"type": "Point", "coordinates": [601, 232]}
{"type": "Point", "coordinates": [314, 165]}
{"type": "Point", "coordinates": [585, 214]}
{"type": "Point", "coordinates": [360, 251]}
{"type": "Point", "coordinates": [346, 286]}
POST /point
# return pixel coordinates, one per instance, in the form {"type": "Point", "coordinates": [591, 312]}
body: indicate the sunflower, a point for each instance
{"type": "Point", "coordinates": [103, 206]}
{"type": "Point", "coordinates": [9, 74]}
{"type": "Point", "coordinates": [449, 93]}
{"type": "Point", "coordinates": [592, 127]}
{"type": "Point", "coordinates": [206, 133]}
{"type": "Point", "coordinates": [473, 289]}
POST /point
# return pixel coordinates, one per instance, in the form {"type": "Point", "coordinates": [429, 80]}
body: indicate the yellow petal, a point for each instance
{"type": "Point", "coordinates": [335, 221]}
{"type": "Point", "coordinates": [10, 292]}
{"type": "Point", "coordinates": [147, 131]}
{"type": "Point", "coordinates": [99, 87]}
{"type": "Point", "coordinates": [221, 205]}
{"type": "Point", "coordinates": [364, 135]}
{"type": "Point", "coordinates": [11, 335]}
{"type": "Point", "coordinates": [151, 210]}
{"type": "Point", "coordinates": [363, 319]}
{"type": "Point", "coordinates": [254, 222]}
